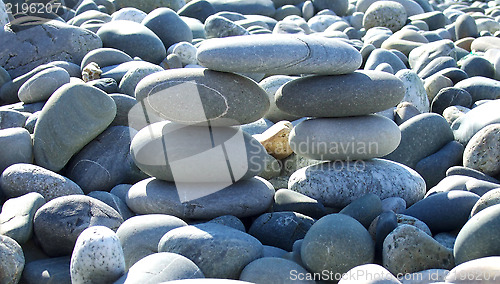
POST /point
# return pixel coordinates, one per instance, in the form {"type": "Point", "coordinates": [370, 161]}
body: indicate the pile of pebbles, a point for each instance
{"type": "Point", "coordinates": [262, 141]}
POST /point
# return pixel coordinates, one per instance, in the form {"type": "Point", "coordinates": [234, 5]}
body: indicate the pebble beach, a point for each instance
{"type": "Point", "coordinates": [249, 141]}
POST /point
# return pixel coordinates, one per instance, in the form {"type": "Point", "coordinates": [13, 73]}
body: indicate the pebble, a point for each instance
{"type": "Point", "coordinates": [257, 127]}
{"type": "Point", "coordinates": [49, 270]}
{"type": "Point", "coordinates": [484, 269]}
{"type": "Point", "coordinates": [414, 90]}
{"type": "Point", "coordinates": [408, 249]}
{"type": "Point", "coordinates": [168, 26]}
{"type": "Point", "coordinates": [97, 256]}
{"type": "Point", "coordinates": [459, 170]}
{"type": "Point", "coordinates": [436, 83]}
{"type": "Point", "coordinates": [153, 269]}
{"type": "Point", "coordinates": [451, 113]}
{"type": "Point", "coordinates": [421, 56]}
{"type": "Point", "coordinates": [242, 199]}
{"type": "Point", "coordinates": [11, 118]}
{"type": "Point", "coordinates": [59, 222]}
{"type": "Point", "coordinates": [149, 5]}
{"type": "Point", "coordinates": [73, 116]}
{"type": "Point", "coordinates": [480, 88]}
{"type": "Point", "coordinates": [401, 219]}
{"type": "Point", "coordinates": [219, 251]}
{"type": "Point", "coordinates": [275, 140]}
{"type": "Point", "coordinates": [364, 209]}
{"type": "Point", "coordinates": [332, 97]}
{"type": "Point", "coordinates": [104, 57]}
{"type": "Point", "coordinates": [482, 153]}
{"type": "Point", "coordinates": [199, 9]}
{"type": "Point", "coordinates": [288, 200]}
{"type": "Point", "coordinates": [220, 27]}
{"type": "Point", "coordinates": [15, 147]}
{"type": "Point", "coordinates": [476, 66]}
{"type": "Point", "coordinates": [380, 56]}
{"type": "Point", "coordinates": [279, 54]}
{"type": "Point", "coordinates": [230, 221]}
{"type": "Point", "coordinates": [20, 179]}
{"type": "Point", "coordinates": [391, 15]}
{"type": "Point", "coordinates": [114, 201]}
{"type": "Point", "coordinates": [129, 14]}
{"type": "Point", "coordinates": [185, 50]}
{"type": "Point", "coordinates": [336, 243]}
{"type": "Point", "coordinates": [404, 111]}
{"type": "Point", "coordinates": [337, 184]}
{"type": "Point", "coordinates": [395, 204]}
{"type": "Point", "coordinates": [450, 96]}
{"type": "Point", "coordinates": [436, 65]}
{"type": "Point", "coordinates": [16, 219]}
{"type": "Point", "coordinates": [467, 125]}
{"type": "Point", "coordinates": [41, 86]}
{"type": "Point", "coordinates": [140, 235]}
{"type": "Point", "coordinates": [271, 84]}
{"type": "Point", "coordinates": [11, 260]}
{"type": "Point", "coordinates": [489, 199]}
{"type": "Point", "coordinates": [273, 269]}
{"type": "Point", "coordinates": [280, 229]}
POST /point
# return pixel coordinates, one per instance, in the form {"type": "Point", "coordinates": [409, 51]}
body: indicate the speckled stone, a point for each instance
{"type": "Point", "coordinates": [242, 199]}
{"type": "Point", "coordinates": [272, 270]}
{"type": "Point", "coordinates": [20, 179]}
{"type": "Point", "coordinates": [331, 96]}
{"type": "Point", "coordinates": [220, 27]}
{"type": "Point", "coordinates": [97, 257]}
{"type": "Point", "coordinates": [219, 251]}
{"type": "Point", "coordinates": [279, 54]}
{"type": "Point", "coordinates": [467, 125]}
{"type": "Point", "coordinates": [489, 199]}
{"type": "Point", "coordinates": [408, 249]}
{"type": "Point", "coordinates": [391, 15]}
{"type": "Point", "coordinates": [483, 269]}
{"type": "Point", "coordinates": [414, 90]}
{"type": "Point", "coordinates": [335, 185]}
{"type": "Point", "coordinates": [11, 260]}
{"type": "Point", "coordinates": [482, 152]}
{"type": "Point", "coordinates": [451, 113]}
{"type": "Point", "coordinates": [129, 14]}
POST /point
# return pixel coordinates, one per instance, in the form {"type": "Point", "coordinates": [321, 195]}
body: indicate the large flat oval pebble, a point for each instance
{"type": "Point", "coordinates": [338, 183]}
{"type": "Point", "coordinates": [41, 86]}
{"type": "Point", "coordinates": [197, 95]}
{"type": "Point", "coordinates": [279, 54]}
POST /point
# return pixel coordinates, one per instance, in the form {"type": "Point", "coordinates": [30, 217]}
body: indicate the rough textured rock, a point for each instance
{"type": "Point", "coordinates": [11, 260]}
{"type": "Point", "coordinates": [482, 151]}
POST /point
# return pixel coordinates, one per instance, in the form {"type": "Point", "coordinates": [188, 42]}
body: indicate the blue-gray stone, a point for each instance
{"type": "Point", "coordinates": [288, 200]}
{"type": "Point", "coordinates": [230, 221]}
{"type": "Point", "coordinates": [437, 65]}
{"type": "Point", "coordinates": [114, 201]}
{"type": "Point", "coordinates": [198, 9]}
{"type": "Point", "coordinates": [434, 20]}
{"type": "Point", "coordinates": [478, 66]}
{"type": "Point", "coordinates": [454, 74]}
{"type": "Point", "coordinates": [257, 127]}
{"type": "Point", "coordinates": [118, 71]}
{"type": "Point", "coordinates": [249, 7]}
{"type": "Point", "coordinates": [379, 56]}
{"type": "Point", "coordinates": [470, 123]}
{"type": "Point", "coordinates": [11, 260]}
{"type": "Point", "coordinates": [134, 75]}
{"type": "Point", "coordinates": [272, 270]}
{"type": "Point", "coordinates": [46, 271]}
{"type": "Point", "coordinates": [364, 209]}
{"type": "Point", "coordinates": [386, 223]}
{"type": "Point", "coordinates": [105, 57]}
{"type": "Point", "coordinates": [42, 85]}
{"type": "Point", "coordinates": [480, 88]}
{"type": "Point", "coordinates": [168, 26]}
{"type": "Point", "coordinates": [15, 147]}
{"type": "Point", "coordinates": [450, 96]}
{"type": "Point", "coordinates": [12, 119]}
{"type": "Point", "coordinates": [107, 85]}
{"type": "Point", "coordinates": [459, 170]}
{"type": "Point", "coordinates": [124, 104]}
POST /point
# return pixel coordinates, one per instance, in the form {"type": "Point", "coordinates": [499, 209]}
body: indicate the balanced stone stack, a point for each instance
{"type": "Point", "coordinates": [202, 164]}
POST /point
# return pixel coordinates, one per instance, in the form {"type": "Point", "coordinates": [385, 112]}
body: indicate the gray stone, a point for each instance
{"type": "Point", "coordinates": [288, 200]}
{"type": "Point", "coordinates": [20, 179]}
{"type": "Point", "coordinates": [459, 170]}
{"type": "Point", "coordinates": [242, 199]}
{"type": "Point", "coordinates": [59, 222]}
{"type": "Point", "coordinates": [121, 191]}
{"type": "Point", "coordinates": [16, 219]}
{"type": "Point", "coordinates": [134, 39]}
{"type": "Point", "coordinates": [451, 113]}
{"type": "Point", "coordinates": [477, 66]}
{"type": "Point", "coordinates": [436, 83]}
{"type": "Point", "coordinates": [482, 44]}
{"type": "Point", "coordinates": [414, 90]}
{"type": "Point", "coordinates": [130, 14]}
{"type": "Point", "coordinates": [450, 96]}
{"type": "Point", "coordinates": [15, 147]}
{"type": "Point", "coordinates": [395, 204]}
{"type": "Point", "coordinates": [114, 201]}
{"type": "Point", "coordinates": [11, 260]}
{"type": "Point", "coordinates": [331, 96]}
{"type": "Point", "coordinates": [434, 20]}
{"type": "Point", "coordinates": [105, 161]}
{"type": "Point", "coordinates": [161, 267]}
{"type": "Point", "coordinates": [220, 27]}
{"type": "Point", "coordinates": [22, 107]}
{"type": "Point", "coordinates": [482, 268]}
{"type": "Point", "coordinates": [89, 16]}
{"type": "Point", "coordinates": [404, 111]}
{"type": "Point", "coordinates": [105, 57]}
{"type": "Point", "coordinates": [257, 127]}
{"type": "Point", "coordinates": [279, 54]}
{"type": "Point", "coordinates": [11, 118]}
{"type": "Point", "coordinates": [272, 168]}
{"type": "Point", "coordinates": [108, 85]}
{"type": "Point", "coordinates": [333, 138]}
{"type": "Point", "coordinates": [168, 26]}
{"type": "Point", "coordinates": [401, 219]}
{"type": "Point", "coordinates": [466, 126]}
{"type": "Point", "coordinates": [385, 224]}
{"type": "Point", "coordinates": [123, 104]}
{"type": "Point", "coordinates": [43, 84]}
{"type": "Point", "coordinates": [280, 229]}
{"type": "Point", "coordinates": [480, 88]}
{"type": "Point", "coordinates": [454, 74]}
{"type": "Point", "coordinates": [421, 136]}
{"type": "Point", "coordinates": [198, 9]}
{"type": "Point", "coordinates": [230, 221]}
{"type": "Point", "coordinates": [117, 72]}
{"type": "Point", "coordinates": [421, 56]}
{"type": "Point", "coordinates": [445, 211]}
{"type": "Point", "coordinates": [270, 251]}
{"type": "Point", "coordinates": [219, 251]}
{"type": "Point", "coordinates": [364, 209]}
{"type": "Point", "coordinates": [97, 257]}
{"type": "Point", "coordinates": [336, 243]}
{"type": "Point", "coordinates": [391, 15]}
{"type": "Point", "coordinates": [489, 199]}
{"type": "Point", "coordinates": [46, 271]}
{"type": "Point", "coordinates": [134, 76]}
{"type": "Point", "coordinates": [221, 98]}
{"type": "Point", "coordinates": [149, 5]}
{"type": "Point", "coordinates": [379, 56]}
{"type": "Point", "coordinates": [140, 235]}
{"type": "Point", "coordinates": [339, 7]}
{"type": "Point", "coordinates": [476, 238]}
{"type": "Point", "coordinates": [24, 50]}
{"type": "Point", "coordinates": [467, 183]}
{"type": "Point", "coordinates": [482, 152]}
{"type": "Point", "coordinates": [253, 7]}
{"type": "Point", "coordinates": [9, 90]}
{"type": "Point", "coordinates": [73, 116]}
{"type": "Point", "coordinates": [272, 270]}
{"type": "Point", "coordinates": [436, 65]}
{"type": "Point", "coordinates": [408, 249]}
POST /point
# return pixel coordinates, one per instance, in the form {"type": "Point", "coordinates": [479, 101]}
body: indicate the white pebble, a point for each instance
{"type": "Point", "coordinates": [129, 14]}
{"type": "Point", "coordinates": [186, 51]}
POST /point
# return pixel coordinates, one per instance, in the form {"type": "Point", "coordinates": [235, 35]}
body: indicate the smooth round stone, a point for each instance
{"type": "Point", "coordinates": [391, 15]}
{"type": "Point", "coordinates": [421, 136]}
{"type": "Point", "coordinates": [279, 54]}
{"type": "Point", "coordinates": [466, 126]}
{"type": "Point", "coordinates": [478, 66]}
{"type": "Point", "coordinates": [124, 104]}
{"type": "Point", "coordinates": [404, 111]}
{"type": "Point", "coordinates": [134, 39]}
{"type": "Point", "coordinates": [16, 219]}
{"type": "Point", "coordinates": [149, 5]}
{"type": "Point", "coordinates": [400, 42]}
{"type": "Point", "coordinates": [168, 26]}
{"type": "Point", "coordinates": [454, 74]}
{"type": "Point", "coordinates": [401, 219]}
{"type": "Point", "coordinates": [453, 112]}
{"type": "Point", "coordinates": [414, 90]}
{"type": "Point", "coordinates": [408, 249]}
{"type": "Point", "coordinates": [332, 96]}
{"type": "Point", "coordinates": [334, 138]}
{"type": "Point", "coordinates": [188, 155]}
{"type": "Point", "coordinates": [444, 212]}
{"type": "Point", "coordinates": [436, 65]}
{"type": "Point", "coordinates": [288, 200]}
{"type": "Point", "coordinates": [280, 229]}
{"type": "Point", "coordinates": [287, 10]}
{"type": "Point", "coordinates": [273, 270]}
{"type": "Point", "coordinates": [450, 96]}
{"type": "Point", "coordinates": [219, 251]}
{"type": "Point", "coordinates": [114, 201]}
{"type": "Point", "coordinates": [270, 251]}
{"type": "Point", "coordinates": [121, 191]}
{"type": "Point", "coordinates": [476, 238]}
{"type": "Point", "coordinates": [161, 267]}
{"type": "Point", "coordinates": [108, 85]}
{"type": "Point", "coordinates": [91, 15]}
{"type": "Point", "coordinates": [335, 185]}
{"type": "Point", "coordinates": [421, 56]}
{"type": "Point", "coordinates": [483, 269]}
{"type": "Point", "coordinates": [364, 209]}
{"type": "Point", "coordinates": [433, 167]}
{"type": "Point", "coordinates": [480, 88]}
{"type": "Point", "coordinates": [11, 260]}
{"type": "Point", "coordinates": [49, 270]}
{"type": "Point", "coordinates": [395, 204]}
{"type": "Point", "coordinates": [465, 26]}
{"type": "Point", "coordinates": [230, 221]}
{"type": "Point", "coordinates": [198, 9]}
{"type": "Point", "coordinates": [242, 199]}
{"type": "Point", "coordinates": [459, 170]}
{"type": "Point", "coordinates": [386, 222]}
{"type": "Point", "coordinates": [436, 83]}
{"type": "Point", "coordinates": [15, 147]}
{"type": "Point", "coordinates": [73, 116]}
{"type": "Point", "coordinates": [369, 273]}
{"type": "Point", "coordinates": [105, 57]}
{"type": "Point", "coordinates": [336, 243]}
{"type": "Point", "coordinates": [129, 14]}
{"type": "Point", "coordinates": [41, 86]}
{"type": "Point", "coordinates": [185, 50]}
{"type": "Point", "coordinates": [271, 84]}
{"type": "Point", "coordinates": [20, 179]}
{"type": "Point", "coordinates": [482, 152]}
{"type": "Point", "coordinates": [97, 256]}
{"type": "Point", "coordinates": [59, 222]}
{"type": "Point", "coordinates": [140, 235]}
{"type": "Point", "coordinates": [489, 199]}
{"type": "Point", "coordinates": [380, 56]}
{"type": "Point", "coordinates": [220, 27]}
{"type": "Point", "coordinates": [434, 20]}
{"type": "Point", "coordinates": [482, 44]}
{"type": "Point", "coordinates": [11, 118]}
{"type": "Point", "coordinates": [463, 183]}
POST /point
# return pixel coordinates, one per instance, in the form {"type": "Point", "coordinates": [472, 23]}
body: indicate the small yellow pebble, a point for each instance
{"type": "Point", "coordinates": [275, 139]}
